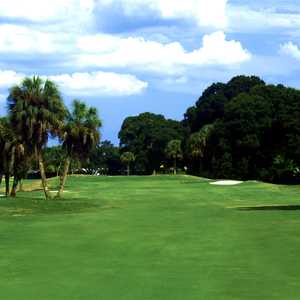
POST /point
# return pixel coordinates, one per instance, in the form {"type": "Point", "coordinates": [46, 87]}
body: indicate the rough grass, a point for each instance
{"type": "Point", "coordinates": [151, 238]}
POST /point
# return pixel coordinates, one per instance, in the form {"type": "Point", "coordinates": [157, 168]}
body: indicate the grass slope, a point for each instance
{"type": "Point", "coordinates": [151, 238]}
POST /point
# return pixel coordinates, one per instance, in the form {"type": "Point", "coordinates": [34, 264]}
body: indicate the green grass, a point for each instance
{"type": "Point", "coordinates": [151, 238]}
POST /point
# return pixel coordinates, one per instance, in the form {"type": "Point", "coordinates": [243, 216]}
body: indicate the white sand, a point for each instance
{"type": "Point", "coordinates": [226, 182]}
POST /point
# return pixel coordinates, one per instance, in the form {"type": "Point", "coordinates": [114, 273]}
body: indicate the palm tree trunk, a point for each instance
{"type": "Point", "coordinates": [43, 175]}
{"type": "Point", "coordinates": [128, 170]}
{"type": "Point", "coordinates": [200, 166]}
{"type": "Point", "coordinates": [21, 185]}
{"type": "Point", "coordinates": [175, 166]}
{"type": "Point", "coordinates": [72, 167]}
{"type": "Point", "coordinates": [7, 177]}
{"type": "Point", "coordinates": [58, 170]}
{"type": "Point", "coordinates": [1, 176]}
{"type": "Point", "coordinates": [63, 177]}
{"type": "Point", "coordinates": [12, 160]}
{"type": "Point", "coordinates": [14, 187]}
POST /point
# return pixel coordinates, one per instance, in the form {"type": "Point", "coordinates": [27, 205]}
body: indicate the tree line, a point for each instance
{"type": "Point", "coordinates": [243, 129]}
{"type": "Point", "coordinates": [255, 131]}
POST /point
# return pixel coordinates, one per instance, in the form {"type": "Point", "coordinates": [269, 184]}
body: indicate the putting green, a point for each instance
{"type": "Point", "coordinates": [163, 237]}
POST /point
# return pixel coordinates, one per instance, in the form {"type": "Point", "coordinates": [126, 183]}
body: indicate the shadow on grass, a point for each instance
{"type": "Point", "coordinates": [195, 182]}
{"type": "Point", "coordinates": [270, 208]}
{"type": "Point", "coordinates": [36, 206]}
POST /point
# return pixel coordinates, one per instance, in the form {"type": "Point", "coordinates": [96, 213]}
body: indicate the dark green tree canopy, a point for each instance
{"type": "Point", "coordinates": [173, 149]}
{"type": "Point", "coordinates": [147, 135]}
{"type": "Point", "coordinates": [256, 126]}
{"type": "Point", "coordinates": [127, 158]}
{"type": "Point", "coordinates": [105, 158]}
{"type": "Point", "coordinates": [211, 104]}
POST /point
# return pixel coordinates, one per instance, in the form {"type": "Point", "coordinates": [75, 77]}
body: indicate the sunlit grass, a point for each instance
{"type": "Point", "coordinates": [163, 237]}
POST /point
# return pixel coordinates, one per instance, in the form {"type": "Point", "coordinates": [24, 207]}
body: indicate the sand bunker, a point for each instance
{"type": "Point", "coordinates": [226, 182]}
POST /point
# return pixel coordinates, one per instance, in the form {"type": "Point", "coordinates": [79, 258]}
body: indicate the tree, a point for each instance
{"type": "Point", "coordinates": [198, 141]}
{"type": "Point", "coordinates": [127, 158]}
{"type": "Point", "coordinates": [147, 136]}
{"type": "Point", "coordinates": [53, 158]}
{"type": "Point", "coordinates": [81, 135]}
{"type": "Point", "coordinates": [104, 159]}
{"type": "Point", "coordinates": [7, 152]}
{"type": "Point", "coordinates": [174, 151]}
{"type": "Point", "coordinates": [211, 105]}
{"type": "Point", "coordinates": [20, 167]}
{"type": "Point", "coordinates": [255, 124]}
{"type": "Point", "coordinates": [13, 158]}
{"type": "Point", "coordinates": [36, 110]}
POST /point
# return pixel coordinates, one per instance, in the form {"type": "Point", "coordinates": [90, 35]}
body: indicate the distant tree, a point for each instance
{"type": "Point", "coordinates": [284, 169]}
{"type": "Point", "coordinates": [80, 136]}
{"type": "Point", "coordinates": [147, 136]}
{"type": "Point", "coordinates": [198, 141]}
{"type": "Point", "coordinates": [256, 131]}
{"type": "Point", "coordinates": [7, 152]}
{"type": "Point", "coordinates": [211, 105]}
{"type": "Point", "coordinates": [174, 151]}
{"type": "Point", "coordinates": [53, 157]}
{"type": "Point", "coordinates": [105, 159]}
{"type": "Point", "coordinates": [36, 110]}
{"type": "Point", "coordinates": [13, 160]}
{"type": "Point", "coordinates": [127, 158]}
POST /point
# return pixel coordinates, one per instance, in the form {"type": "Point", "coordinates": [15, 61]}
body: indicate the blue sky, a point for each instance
{"type": "Point", "coordinates": [130, 56]}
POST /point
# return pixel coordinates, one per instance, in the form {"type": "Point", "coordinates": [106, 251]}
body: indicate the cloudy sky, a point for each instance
{"type": "Point", "coordinates": [131, 56]}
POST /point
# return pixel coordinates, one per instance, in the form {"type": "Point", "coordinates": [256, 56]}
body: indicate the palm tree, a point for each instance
{"type": "Point", "coordinates": [174, 151]}
{"type": "Point", "coordinates": [198, 142]}
{"type": "Point", "coordinates": [127, 158]}
{"type": "Point", "coordinates": [36, 110]}
{"type": "Point", "coordinates": [10, 149]}
{"type": "Point", "coordinates": [80, 136]}
{"type": "Point", "coordinates": [20, 167]}
{"type": "Point", "coordinates": [7, 152]}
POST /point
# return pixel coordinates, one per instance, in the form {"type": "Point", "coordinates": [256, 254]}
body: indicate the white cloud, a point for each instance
{"type": "Point", "coordinates": [210, 13]}
{"type": "Point", "coordinates": [21, 39]}
{"type": "Point", "coordinates": [9, 78]}
{"type": "Point", "coordinates": [108, 51]}
{"type": "Point", "coordinates": [111, 51]}
{"type": "Point", "coordinates": [290, 49]}
{"type": "Point", "coordinates": [104, 83]}
{"type": "Point", "coordinates": [219, 14]}
{"type": "Point", "coordinates": [43, 10]}
{"type": "Point", "coordinates": [85, 84]}
{"type": "Point", "coordinates": [246, 19]}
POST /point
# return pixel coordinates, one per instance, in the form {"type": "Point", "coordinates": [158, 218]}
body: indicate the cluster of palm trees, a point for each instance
{"type": "Point", "coordinates": [196, 145]}
{"type": "Point", "coordinates": [36, 111]}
